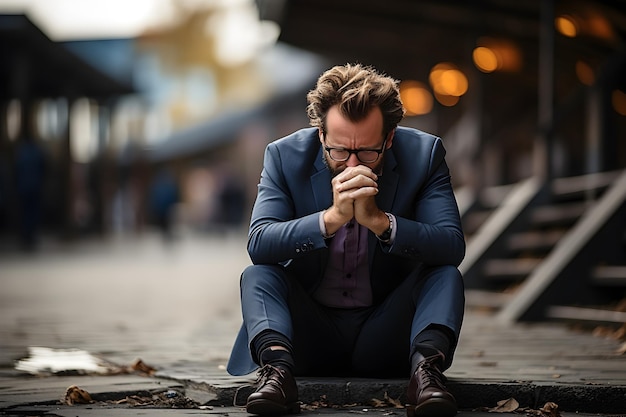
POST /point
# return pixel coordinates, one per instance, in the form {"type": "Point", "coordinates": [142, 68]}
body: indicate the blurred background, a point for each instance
{"type": "Point", "coordinates": [125, 117]}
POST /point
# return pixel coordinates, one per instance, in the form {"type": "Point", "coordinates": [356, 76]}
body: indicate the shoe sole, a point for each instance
{"type": "Point", "coordinates": [263, 407]}
{"type": "Point", "coordinates": [432, 408]}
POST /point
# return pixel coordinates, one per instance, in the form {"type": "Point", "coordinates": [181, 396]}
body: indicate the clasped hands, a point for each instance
{"type": "Point", "coordinates": [354, 192]}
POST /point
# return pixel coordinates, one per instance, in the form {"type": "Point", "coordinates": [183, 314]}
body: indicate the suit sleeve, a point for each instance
{"type": "Point", "coordinates": [434, 234]}
{"type": "Point", "coordinates": [276, 236]}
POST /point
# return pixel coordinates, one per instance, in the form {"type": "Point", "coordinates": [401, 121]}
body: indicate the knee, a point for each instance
{"type": "Point", "coordinates": [446, 275]}
{"type": "Point", "coordinates": [263, 276]}
{"type": "Point", "coordinates": [446, 272]}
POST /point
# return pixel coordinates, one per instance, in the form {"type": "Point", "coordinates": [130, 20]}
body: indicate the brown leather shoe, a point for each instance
{"type": "Point", "coordinates": [276, 393]}
{"type": "Point", "coordinates": [427, 395]}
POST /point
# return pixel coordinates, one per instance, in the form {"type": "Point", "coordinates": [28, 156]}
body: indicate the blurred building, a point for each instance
{"type": "Point", "coordinates": [111, 113]}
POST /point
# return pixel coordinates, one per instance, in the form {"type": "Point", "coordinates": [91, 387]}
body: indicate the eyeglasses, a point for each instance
{"type": "Point", "coordinates": [366, 156]}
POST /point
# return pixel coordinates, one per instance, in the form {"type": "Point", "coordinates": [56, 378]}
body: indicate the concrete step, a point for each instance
{"type": "Point", "coordinates": [537, 241]}
{"type": "Point", "coordinates": [510, 269]}
{"type": "Point", "coordinates": [609, 275]}
{"type": "Point", "coordinates": [558, 214]}
{"type": "Point", "coordinates": [588, 315]}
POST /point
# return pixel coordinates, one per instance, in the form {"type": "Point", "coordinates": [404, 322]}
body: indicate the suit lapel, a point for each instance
{"type": "Point", "coordinates": [320, 182]}
{"type": "Point", "coordinates": [388, 186]}
{"type": "Point", "coordinates": [388, 183]}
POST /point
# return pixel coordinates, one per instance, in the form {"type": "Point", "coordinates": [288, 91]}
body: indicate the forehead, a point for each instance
{"type": "Point", "coordinates": [365, 132]}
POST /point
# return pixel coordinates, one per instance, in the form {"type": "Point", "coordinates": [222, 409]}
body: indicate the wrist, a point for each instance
{"type": "Point", "coordinates": [332, 222]}
{"type": "Point", "coordinates": [385, 236]}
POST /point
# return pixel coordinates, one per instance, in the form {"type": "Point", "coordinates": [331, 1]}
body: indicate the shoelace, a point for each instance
{"type": "Point", "coordinates": [265, 373]}
{"type": "Point", "coordinates": [431, 374]}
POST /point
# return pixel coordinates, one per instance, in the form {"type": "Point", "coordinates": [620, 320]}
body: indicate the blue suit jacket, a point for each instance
{"type": "Point", "coordinates": [295, 187]}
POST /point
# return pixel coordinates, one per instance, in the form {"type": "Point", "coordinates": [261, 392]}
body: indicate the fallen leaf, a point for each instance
{"type": "Point", "coordinates": [142, 367]}
{"type": "Point", "coordinates": [393, 401]}
{"type": "Point", "coordinates": [376, 403]}
{"type": "Point", "coordinates": [505, 406]}
{"type": "Point", "coordinates": [314, 405]}
{"type": "Point", "coordinates": [387, 401]}
{"type": "Point", "coordinates": [76, 395]}
{"type": "Point", "coordinates": [550, 409]}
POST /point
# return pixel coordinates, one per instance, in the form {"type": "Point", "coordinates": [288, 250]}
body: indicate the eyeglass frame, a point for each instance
{"type": "Point", "coordinates": [355, 152]}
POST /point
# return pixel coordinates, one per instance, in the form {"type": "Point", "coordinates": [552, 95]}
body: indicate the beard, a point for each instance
{"type": "Point", "coordinates": [377, 169]}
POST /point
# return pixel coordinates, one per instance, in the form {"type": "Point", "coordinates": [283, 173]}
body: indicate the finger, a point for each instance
{"type": "Point", "coordinates": [351, 172]}
{"type": "Point", "coordinates": [361, 193]}
{"type": "Point", "coordinates": [357, 182]}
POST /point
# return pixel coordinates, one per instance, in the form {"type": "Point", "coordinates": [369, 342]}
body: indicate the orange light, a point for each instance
{"type": "Point", "coordinates": [485, 59]}
{"type": "Point", "coordinates": [446, 100]}
{"type": "Point", "coordinates": [600, 27]}
{"type": "Point", "coordinates": [446, 79]}
{"type": "Point", "coordinates": [618, 99]}
{"type": "Point", "coordinates": [584, 73]}
{"type": "Point", "coordinates": [497, 55]}
{"type": "Point", "coordinates": [566, 26]}
{"type": "Point", "coordinates": [416, 98]}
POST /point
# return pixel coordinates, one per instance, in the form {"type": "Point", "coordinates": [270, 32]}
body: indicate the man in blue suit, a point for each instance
{"type": "Point", "coordinates": [355, 239]}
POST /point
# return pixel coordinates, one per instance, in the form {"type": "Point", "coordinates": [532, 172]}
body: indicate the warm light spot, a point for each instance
{"type": "Point", "coordinates": [446, 100]}
{"type": "Point", "coordinates": [416, 98]}
{"type": "Point", "coordinates": [599, 27]}
{"type": "Point", "coordinates": [566, 26]}
{"type": "Point", "coordinates": [584, 73]}
{"type": "Point", "coordinates": [485, 59]}
{"type": "Point", "coordinates": [497, 55]}
{"type": "Point", "coordinates": [437, 71]}
{"type": "Point", "coordinates": [454, 82]}
{"type": "Point", "coordinates": [446, 79]}
{"type": "Point", "coordinates": [618, 100]}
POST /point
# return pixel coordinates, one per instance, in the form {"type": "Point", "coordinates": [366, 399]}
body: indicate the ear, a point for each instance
{"type": "Point", "coordinates": [320, 133]}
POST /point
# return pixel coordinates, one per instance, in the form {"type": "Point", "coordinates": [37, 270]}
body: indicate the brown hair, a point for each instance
{"type": "Point", "coordinates": [356, 89]}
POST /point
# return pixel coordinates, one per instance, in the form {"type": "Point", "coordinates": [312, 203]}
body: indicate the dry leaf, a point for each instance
{"type": "Point", "coordinates": [393, 401]}
{"type": "Point", "coordinates": [376, 403]}
{"type": "Point", "coordinates": [141, 366]}
{"type": "Point", "coordinates": [505, 406]}
{"type": "Point", "coordinates": [550, 409]}
{"type": "Point", "coordinates": [314, 405]}
{"type": "Point", "coordinates": [76, 395]}
{"type": "Point", "coordinates": [387, 401]}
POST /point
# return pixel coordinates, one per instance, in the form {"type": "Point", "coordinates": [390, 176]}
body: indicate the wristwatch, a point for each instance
{"type": "Point", "coordinates": [386, 235]}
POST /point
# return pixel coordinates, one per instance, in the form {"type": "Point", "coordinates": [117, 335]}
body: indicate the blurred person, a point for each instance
{"type": "Point", "coordinates": [163, 196]}
{"type": "Point", "coordinates": [30, 172]}
{"type": "Point", "coordinates": [231, 201]}
{"type": "Point", "coordinates": [355, 239]}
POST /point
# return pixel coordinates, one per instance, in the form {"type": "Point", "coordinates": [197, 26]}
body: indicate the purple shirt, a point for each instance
{"type": "Point", "coordinates": [346, 283]}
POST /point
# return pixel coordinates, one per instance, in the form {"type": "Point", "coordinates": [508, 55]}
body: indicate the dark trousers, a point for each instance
{"type": "Point", "coordinates": [372, 341]}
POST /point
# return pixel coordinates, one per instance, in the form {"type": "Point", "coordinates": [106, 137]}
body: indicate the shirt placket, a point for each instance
{"type": "Point", "coordinates": [351, 250]}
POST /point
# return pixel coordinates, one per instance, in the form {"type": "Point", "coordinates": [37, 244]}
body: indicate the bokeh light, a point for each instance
{"type": "Point", "coordinates": [618, 99]}
{"type": "Point", "coordinates": [447, 79]}
{"type": "Point", "coordinates": [496, 55]}
{"type": "Point", "coordinates": [566, 26]}
{"type": "Point", "coordinates": [485, 59]}
{"type": "Point", "coordinates": [584, 73]}
{"type": "Point", "coordinates": [416, 98]}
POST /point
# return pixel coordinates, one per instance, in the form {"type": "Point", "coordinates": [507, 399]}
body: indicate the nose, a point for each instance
{"type": "Point", "coordinates": [353, 161]}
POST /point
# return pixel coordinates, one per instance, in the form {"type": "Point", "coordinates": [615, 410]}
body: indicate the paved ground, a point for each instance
{"type": "Point", "coordinates": [176, 307]}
